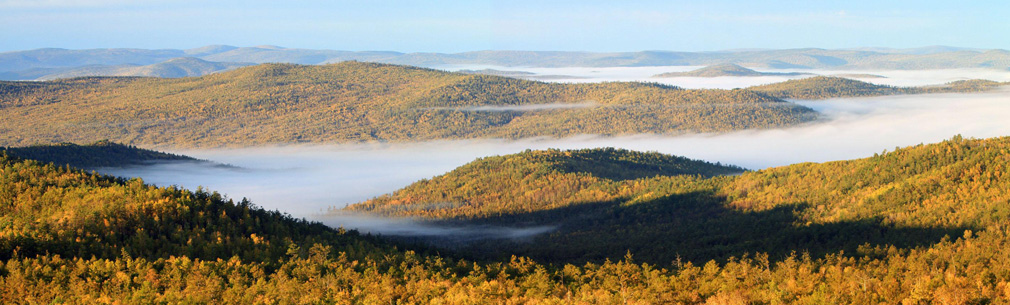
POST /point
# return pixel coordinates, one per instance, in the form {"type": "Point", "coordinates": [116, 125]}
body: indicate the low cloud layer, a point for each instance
{"type": "Point", "coordinates": [308, 180]}
{"type": "Point", "coordinates": [644, 74]}
{"type": "Point", "coordinates": [413, 227]}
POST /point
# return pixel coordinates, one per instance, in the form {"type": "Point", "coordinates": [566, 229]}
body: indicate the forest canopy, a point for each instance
{"type": "Point", "coordinates": [67, 236]}
{"type": "Point", "coordinates": [824, 87]}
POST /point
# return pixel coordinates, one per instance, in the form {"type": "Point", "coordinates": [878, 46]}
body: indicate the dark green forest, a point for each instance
{"type": "Point", "coordinates": [99, 154]}
{"type": "Point", "coordinates": [355, 102]}
{"type": "Point", "coordinates": [928, 224]}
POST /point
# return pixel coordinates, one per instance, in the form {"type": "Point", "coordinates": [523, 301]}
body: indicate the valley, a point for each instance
{"type": "Point", "coordinates": [868, 175]}
{"type": "Point", "coordinates": [504, 152]}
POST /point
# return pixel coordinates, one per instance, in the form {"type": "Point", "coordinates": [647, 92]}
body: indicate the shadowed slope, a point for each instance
{"type": "Point", "coordinates": [908, 198]}
{"type": "Point", "coordinates": [98, 154]}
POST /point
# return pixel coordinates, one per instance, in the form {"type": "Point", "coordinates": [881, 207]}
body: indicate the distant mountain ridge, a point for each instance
{"type": "Point", "coordinates": [810, 58]}
{"type": "Point", "coordinates": [725, 70]}
{"type": "Point", "coordinates": [822, 87]}
{"type": "Point", "coordinates": [172, 68]}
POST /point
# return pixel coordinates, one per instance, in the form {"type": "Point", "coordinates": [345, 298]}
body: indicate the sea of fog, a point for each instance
{"type": "Point", "coordinates": [307, 180]}
{"type": "Point", "coordinates": [627, 74]}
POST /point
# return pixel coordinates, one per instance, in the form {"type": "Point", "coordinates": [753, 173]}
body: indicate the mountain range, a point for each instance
{"type": "Point", "coordinates": [55, 63]}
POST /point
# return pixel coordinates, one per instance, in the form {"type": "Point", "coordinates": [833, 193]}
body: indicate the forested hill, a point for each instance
{"type": "Point", "coordinates": [823, 87]}
{"type": "Point", "coordinates": [98, 154]}
{"type": "Point", "coordinates": [353, 101]}
{"type": "Point", "coordinates": [71, 237]}
{"type": "Point", "coordinates": [909, 198]}
{"type": "Point", "coordinates": [724, 70]}
{"type": "Point", "coordinates": [533, 181]}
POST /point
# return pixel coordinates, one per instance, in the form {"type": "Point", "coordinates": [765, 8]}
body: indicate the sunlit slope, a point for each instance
{"type": "Point", "coordinates": [908, 198]}
{"type": "Point", "coordinates": [53, 210]}
{"type": "Point", "coordinates": [71, 237]}
{"type": "Point", "coordinates": [959, 182]}
{"type": "Point", "coordinates": [353, 101]}
{"type": "Point", "coordinates": [98, 154]}
{"type": "Point", "coordinates": [534, 181]}
{"type": "Point", "coordinates": [823, 87]}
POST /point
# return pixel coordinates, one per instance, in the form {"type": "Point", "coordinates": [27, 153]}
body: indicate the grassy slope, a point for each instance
{"type": "Point", "coordinates": [351, 101]}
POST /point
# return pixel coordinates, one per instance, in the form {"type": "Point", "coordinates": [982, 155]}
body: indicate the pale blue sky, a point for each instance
{"type": "Point", "coordinates": [457, 26]}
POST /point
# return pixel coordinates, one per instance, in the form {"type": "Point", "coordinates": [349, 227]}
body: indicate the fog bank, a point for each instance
{"type": "Point", "coordinates": [903, 78]}
{"type": "Point", "coordinates": [306, 180]}
{"type": "Point", "coordinates": [413, 227]}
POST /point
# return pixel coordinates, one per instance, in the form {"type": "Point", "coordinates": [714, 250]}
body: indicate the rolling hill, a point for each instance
{"type": "Point", "coordinates": [353, 101]}
{"type": "Point", "coordinates": [933, 218]}
{"type": "Point", "coordinates": [172, 68]}
{"type": "Point", "coordinates": [810, 58]}
{"type": "Point", "coordinates": [725, 70]}
{"type": "Point", "coordinates": [533, 181]}
{"type": "Point", "coordinates": [94, 155]}
{"type": "Point", "coordinates": [823, 87]}
{"type": "Point", "coordinates": [176, 67]}
{"type": "Point", "coordinates": [906, 199]}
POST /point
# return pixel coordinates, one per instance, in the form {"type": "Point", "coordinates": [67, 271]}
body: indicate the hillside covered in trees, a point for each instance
{"type": "Point", "coordinates": [353, 101]}
{"type": "Point", "coordinates": [725, 70]}
{"type": "Point", "coordinates": [533, 181]}
{"type": "Point", "coordinates": [94, 155]}
{"type": "Point", "coordinates": [824, 87]}
{"type": "Point", "coordinates": [67, 236]}
{"type": "Point", "coordinates": [905, 199]}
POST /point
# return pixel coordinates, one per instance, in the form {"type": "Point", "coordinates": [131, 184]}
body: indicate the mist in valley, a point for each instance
{"type": "Point", "coordinates": [311, 180]}
{"type": "Point", "coordinates": [901, 78]}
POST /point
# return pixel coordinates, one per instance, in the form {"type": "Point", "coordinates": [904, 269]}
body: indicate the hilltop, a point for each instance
{"type": "Point", "coordinates": [823, 87]}
{"type": "Point", "coordinates": [175, 67]}
{"type": "Point", "coordinates": [94, 155]}
{"type": "Point", "coordinates": [725, 70]}
{"type": "Point", "coordinates": [905, 199]}
{"type": "Point", "coordinates": [355, 102]}
{"type": "Point", "coordinates": [532, 181]}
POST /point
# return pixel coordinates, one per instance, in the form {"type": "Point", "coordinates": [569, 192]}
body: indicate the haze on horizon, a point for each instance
{"type": "Point", "coordinates": [459, 26]}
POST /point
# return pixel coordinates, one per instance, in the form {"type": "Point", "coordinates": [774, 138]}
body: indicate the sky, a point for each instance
{"type": "Point", "coordinates": [459, 26]}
